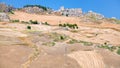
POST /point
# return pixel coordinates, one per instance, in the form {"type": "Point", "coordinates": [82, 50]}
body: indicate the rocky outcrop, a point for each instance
{"type": "Point", "coordinates": [5, 8]}
{"type": "Point", "coordinates": [36, 9]}
{"type": "Point", "coordinates": [33, 9]}
{"type": "Point", "coordinates": [4, 17]}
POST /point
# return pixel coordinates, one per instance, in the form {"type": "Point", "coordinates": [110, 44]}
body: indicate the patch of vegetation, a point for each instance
{"type": "Point", "coordinates": [33, 22]}
{"type": "Point", "coordinates": [118, 51]}
{"type": "Point", "coordinates": [15, 21]}
{"type": "Point", "coordinates": [28, 27]}
{"type": "Point", "coordinates": [107, 46]}
{"type": "Point", "coordinates": [25, 22]}
{"type": "Point", "coordinates": [11, 12]}
{"type": "Point", "coordinates": [45, 23]}
{"type": "Point", "coordinates": [49, 44]}
{"type": "Point", "coordinates": [72, 41]}
{"type": "Point", "coordinates": [58, 37]}
{"type": "Point", "coordinates": [39, 6]}
{"type": "Point", "coordinates": [72, 26]}
{"type": "Point", "coordinates": [67, 15]}
{"type": "Point", "coordinates": [86, 43]}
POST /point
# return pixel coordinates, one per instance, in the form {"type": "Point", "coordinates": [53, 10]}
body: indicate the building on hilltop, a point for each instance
{"type": "Point", "coordinates": [77, 12]}
{"type": "Point", "coordinates": [94, 15]}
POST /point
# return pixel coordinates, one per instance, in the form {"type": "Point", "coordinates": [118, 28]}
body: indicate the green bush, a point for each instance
{"type": "Point", "coordinates": [28, 27]}
{"type": "Point", "coordinates": [60, 25]}
{"type": "Point", "coordinates": [39, 6]}
{"type": "Point", "coordinates": [15, 21]}
{"type": "Point", "coordinates": [72, 41]}
{"type": "Point", "coordinates": [118, 51]}
{"type": "Point", "coordinates": [46, 23]}
{"type": "Point", "coordinates": [61, 38]}
{"type": "Point", "coordinates": [106, 46]}
{"type": "Point", "coordinates": [33, 22]}
{"type": "Point", "coordinates": [72, 26]}
{"type": "Point", "coordinates": [11, 12]}
{"type": "Point", "coordinates": [24, 22]}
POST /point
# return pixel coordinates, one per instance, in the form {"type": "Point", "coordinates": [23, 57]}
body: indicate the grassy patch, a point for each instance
{"type": "Point", "coordinates": [106, 46]}
{"type": "Point", "coordinates": [86, 43]}
{"type": "Point", "coordinates": [14, 21]}
{"type": "Point", "coordinates": [72, 41]}
{"type": "Point", "coordinates": [49, 44]}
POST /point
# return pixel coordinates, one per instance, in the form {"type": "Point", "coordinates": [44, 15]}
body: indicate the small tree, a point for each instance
{"type": "Point", "coordinates": [28, 27]}
{"type": "Point", "coordinates": [60, 24]}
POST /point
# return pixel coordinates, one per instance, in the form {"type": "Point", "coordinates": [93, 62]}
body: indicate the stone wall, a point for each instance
{"type": "Point", "coordinates": [71, 12]}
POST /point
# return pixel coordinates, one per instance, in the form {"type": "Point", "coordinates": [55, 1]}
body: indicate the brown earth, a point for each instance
{"type": "Point", "coordinates": [41, 46]}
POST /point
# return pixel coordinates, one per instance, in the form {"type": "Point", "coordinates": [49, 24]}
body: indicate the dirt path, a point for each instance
{"type": "Point", "coordinates": [33, 56]}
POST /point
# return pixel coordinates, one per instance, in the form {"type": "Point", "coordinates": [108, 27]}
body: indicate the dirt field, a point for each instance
{"type": "Point", "coordinates": [48, 46]}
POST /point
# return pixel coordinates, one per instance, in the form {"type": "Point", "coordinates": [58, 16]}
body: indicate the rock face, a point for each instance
{"type": "Point", "coordinates": [71, 12]}
{"type": "Point", "coordinates": [4, 17]}
{"type": "Point", "coordinates": [33, 9]}
{"type": "Point", "coordinates": [5, 8]}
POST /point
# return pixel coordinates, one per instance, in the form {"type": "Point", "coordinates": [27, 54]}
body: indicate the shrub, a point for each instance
{"type": "Point", "coordinates": [67, 15]}
{"type": "Point", "coordinates": [118, 51]}
{"type": "Point", "coordinates": [33, 22]}
{"type": "Point", "coordinates": [106, 46]}
{"type": "Point", "coordinates": [61, 38]}
{"type": "Point", "coordinates": [28, 27]}
{"type": "Point", "coordinates": [11, 12]}
{"type": "Point", "coordinates": [24, 22]}
{"type": "Point", "coordinates": [15, 20]}
{"type": "Point", "coordinates": [72, 26]}
{"type": "Point", "coordinates": [46, 23]}
{"type": "Point", "coordinates": [72, 41]}
{"type": "Point", "coordinates": [60, 24]}
{"type": "Point", "coordinates": [39, 6]}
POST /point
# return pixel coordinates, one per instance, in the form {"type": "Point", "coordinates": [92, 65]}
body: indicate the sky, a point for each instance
{"type": "Point", "coordinates": [109, 8]}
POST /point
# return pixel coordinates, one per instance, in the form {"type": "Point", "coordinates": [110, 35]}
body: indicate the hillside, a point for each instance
{"type": "Point", "coordinates": [25, 44]}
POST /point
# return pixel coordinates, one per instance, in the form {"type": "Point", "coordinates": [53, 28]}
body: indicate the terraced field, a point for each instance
{"type": "Point", "coordinates": [52, 46]}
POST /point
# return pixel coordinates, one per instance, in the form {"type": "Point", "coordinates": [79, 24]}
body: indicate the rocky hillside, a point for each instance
{"type": "Point", "coordinates": [32, 40]}
{"type": "Point", "coordinates": [42, 41]}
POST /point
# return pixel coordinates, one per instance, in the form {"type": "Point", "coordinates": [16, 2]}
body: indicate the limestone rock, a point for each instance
{"type": "Point", "coordinates": [4, 17]}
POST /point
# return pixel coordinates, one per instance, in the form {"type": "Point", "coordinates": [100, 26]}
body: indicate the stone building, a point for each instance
{"type": "Point", "coordinates": [77, 12]}
{"type": "Point", "coordinates": [92, 14]}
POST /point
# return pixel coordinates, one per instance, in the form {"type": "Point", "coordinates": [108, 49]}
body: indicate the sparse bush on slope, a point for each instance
{"type": "Point", "coordinates": [15, 20]}
{"type": "Point", "coordinates": [72, 26]}
{"type": "Point", "coordinates": [33, 22]}
{"type": "Point", "coordinates": [43, 7]}
{"type": "Point", "coordinates": [118, 51]}
{"type": "Point", "coordinates": [28, 27]}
